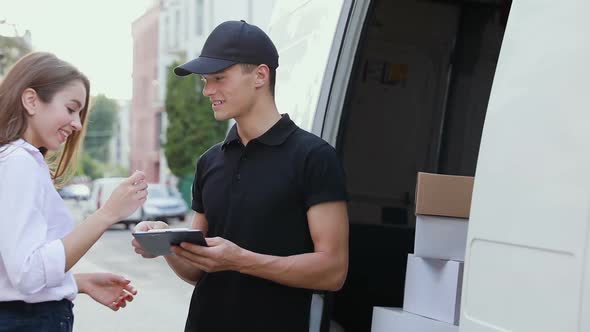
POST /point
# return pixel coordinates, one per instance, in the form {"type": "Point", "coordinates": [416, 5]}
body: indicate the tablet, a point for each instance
{"type": "Point", "coordinates": [157, 242]}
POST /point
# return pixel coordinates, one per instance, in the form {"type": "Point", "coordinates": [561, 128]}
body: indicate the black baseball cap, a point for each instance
{"type": "Point", "coordinates": [229, 43]}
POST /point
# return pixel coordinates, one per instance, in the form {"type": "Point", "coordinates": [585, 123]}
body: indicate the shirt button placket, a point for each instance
{"type": "Point", "coordinates": [242, 160]}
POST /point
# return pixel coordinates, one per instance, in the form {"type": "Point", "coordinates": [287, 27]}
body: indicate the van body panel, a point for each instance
{"type": "Point", "coordinates": [306, 34]}
{"type": "Point", "coordinates": [339, 83]}
{"type": "Point", "coordinates": [526, 261]}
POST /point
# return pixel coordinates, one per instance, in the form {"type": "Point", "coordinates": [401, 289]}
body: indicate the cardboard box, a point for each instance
{"type": "Point", "coordinates": [433, 288]}
{"type": "Point", "coordinates": [440, 237]}
{"type": "Point", "coordinates": [443, 195]}
{"type": "Point", "coordinates": [395, 319]}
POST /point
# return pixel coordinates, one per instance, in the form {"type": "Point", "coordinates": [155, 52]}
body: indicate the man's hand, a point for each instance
{"type": "Point", "coordinates": [220, 255]}
{"type": "Point", "coordinates": [108, 289]}
{"type": "Point", "coordinates": [145, 226]}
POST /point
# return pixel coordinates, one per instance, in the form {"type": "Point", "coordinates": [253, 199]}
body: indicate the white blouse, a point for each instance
{"type": "Point", "coordinates": [33, 220]}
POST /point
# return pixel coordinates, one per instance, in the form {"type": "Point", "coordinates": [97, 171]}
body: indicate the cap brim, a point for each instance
{"type": "Point", "coordinates": [203, 65]}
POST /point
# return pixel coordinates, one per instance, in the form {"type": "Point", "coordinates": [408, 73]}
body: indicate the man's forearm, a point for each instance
{"type": "Point", "coordinates": [317, 270]}
{"type": "Point", "coordinates": [183, 270]}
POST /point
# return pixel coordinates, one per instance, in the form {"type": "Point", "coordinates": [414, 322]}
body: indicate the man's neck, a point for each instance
{"type": "Point", "coordinates": [257, 122]}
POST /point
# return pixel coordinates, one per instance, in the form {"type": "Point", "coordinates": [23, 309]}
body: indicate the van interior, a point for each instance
{"type": "Point", "coordinates": [416, 102]}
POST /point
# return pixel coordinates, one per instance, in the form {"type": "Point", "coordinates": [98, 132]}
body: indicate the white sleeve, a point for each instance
{"type": "Point", "coordinates": [31, 262]}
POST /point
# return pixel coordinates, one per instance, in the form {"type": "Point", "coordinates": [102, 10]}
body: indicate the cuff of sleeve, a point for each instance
{"type": "Point", "coordinates": [54, 263]}
{"type": "Point", "coordinates": [71, 276]}
{"type": "Point", "coordinates": [326, 197]}
{"type": "Point", "coordinates": [197, 207]}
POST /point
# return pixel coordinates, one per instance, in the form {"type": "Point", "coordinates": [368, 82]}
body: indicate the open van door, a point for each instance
{"type": "Point", "coordinates": [527, 259]}
{"type": "Point", "coordinates": [309, 37]}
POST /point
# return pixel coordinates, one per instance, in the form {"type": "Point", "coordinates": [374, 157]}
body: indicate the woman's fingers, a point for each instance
{"type": "Point", "coordinates": [114, 306]}
{"type": "Point", "coordinates": [130, 289]}
{"type": "Point", "coordinates": [136, 177]}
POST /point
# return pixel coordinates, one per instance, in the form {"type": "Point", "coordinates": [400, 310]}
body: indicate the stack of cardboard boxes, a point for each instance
{"type": "Point", "coordinates": [432, 294]}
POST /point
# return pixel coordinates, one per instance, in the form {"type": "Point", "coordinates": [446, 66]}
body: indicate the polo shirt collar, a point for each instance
{"type": "Point", "coordinates": [276, 135]}
{"type": "Point", "coordinates": [232, 137]}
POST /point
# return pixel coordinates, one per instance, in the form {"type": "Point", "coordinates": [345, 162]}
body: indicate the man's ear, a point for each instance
{"type": "Point", "coordinates": [262, 75]}
{"type": "Point", "coordinates": [30, 101]}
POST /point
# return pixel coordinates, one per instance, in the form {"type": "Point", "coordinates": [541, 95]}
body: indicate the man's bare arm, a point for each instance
{"type": "Point", "coordinates": [323, 269]}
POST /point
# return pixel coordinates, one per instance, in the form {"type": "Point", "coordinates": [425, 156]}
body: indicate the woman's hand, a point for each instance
{"type": "Point", "coordinates": [126, 198]}
{"type": "Point", "coordinates": [108, 289]}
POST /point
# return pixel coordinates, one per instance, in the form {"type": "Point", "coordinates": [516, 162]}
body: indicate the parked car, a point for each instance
{"type": "Point", "coordinates": [75, 191]}
{"type": "Point", "coordinates": [164, 203]}
{"type": "Point", "coordinates": [102, 189]}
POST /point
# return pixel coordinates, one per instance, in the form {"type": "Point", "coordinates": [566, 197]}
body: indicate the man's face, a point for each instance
{"type": "Point", "coordinates": [231, 91]}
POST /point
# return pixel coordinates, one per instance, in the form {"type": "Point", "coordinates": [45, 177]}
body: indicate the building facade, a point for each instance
{"type": "Point", "coordinates": [176, 34]}
{"type": "Point", "coordinates": [145, 111]}
{"type": "Point", "coordinates": [119, 145]}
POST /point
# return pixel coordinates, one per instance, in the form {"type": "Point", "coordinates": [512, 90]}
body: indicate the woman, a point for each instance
{"type": "Point", "coordinates": [43, 110]}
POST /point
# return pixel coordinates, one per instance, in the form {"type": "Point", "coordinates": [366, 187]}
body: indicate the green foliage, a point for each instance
{"type": "Point", "coordinates": [88, 166]}
{"type": "Point", "coordinates": [192, 128]}
{"type": "Point", "coordinates": [96, 169]}
{"type": "Point", "coordinates": [11, 49]}
{"type": "Point", "coordinates": [101, 124]}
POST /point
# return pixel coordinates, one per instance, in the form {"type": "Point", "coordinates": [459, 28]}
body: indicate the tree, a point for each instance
{"type": "Point", "coordinates": [103, 117]}
{"type": "Point", "coordinates": [11, 49]}
{"type": "Point", "coordinates": [192, 129]}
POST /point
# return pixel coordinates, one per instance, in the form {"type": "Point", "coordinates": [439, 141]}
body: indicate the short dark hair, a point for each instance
{"type": "Point", "coordinates": [247, 68]}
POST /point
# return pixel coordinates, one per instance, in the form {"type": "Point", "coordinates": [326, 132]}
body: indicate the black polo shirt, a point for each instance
{"type": "Point", "coordinates": [257, 196]}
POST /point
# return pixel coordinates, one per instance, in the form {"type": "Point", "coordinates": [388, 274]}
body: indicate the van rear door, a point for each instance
{"type": "Point", "coordinates": [308, 35]}
{"type": "Point", "coordinates": [527, 259]}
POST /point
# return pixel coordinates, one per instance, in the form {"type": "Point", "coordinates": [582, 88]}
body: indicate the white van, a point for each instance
{"type": "Point", "coordinates": [402, 86]}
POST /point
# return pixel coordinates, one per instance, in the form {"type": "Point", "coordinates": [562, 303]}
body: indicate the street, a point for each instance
{"type": "Point", "coordinates": [162, 300]}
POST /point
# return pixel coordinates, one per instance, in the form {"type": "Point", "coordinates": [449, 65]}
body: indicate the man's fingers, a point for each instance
{"type": "Point", "coordinates": [143, 226]}
{"type": "Point", "coordinates": [201, 262]}
{"type": "Point", "coordinates": [213, 241]}
{"type": "Point", "coordinates": [146, 225]}
{"type": "Point", "coordinates": [143, 253]}
{"type": "Point", "coordinates": [193, 248]}
{"type": "Point", "coordinates": [192, 262]}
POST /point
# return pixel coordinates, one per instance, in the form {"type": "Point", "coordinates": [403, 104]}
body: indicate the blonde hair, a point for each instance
{"type": "Point", "coordinates": [47, 75]}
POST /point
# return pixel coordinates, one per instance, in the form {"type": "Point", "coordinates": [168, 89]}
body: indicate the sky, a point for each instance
{"type": "Point", "coordinates": [93, 35]}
